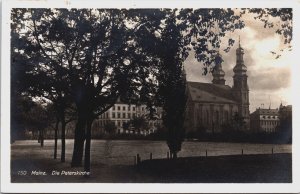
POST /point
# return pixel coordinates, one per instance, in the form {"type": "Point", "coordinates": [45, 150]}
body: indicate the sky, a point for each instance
{"type": "Point", "coordinates": [269, 79]}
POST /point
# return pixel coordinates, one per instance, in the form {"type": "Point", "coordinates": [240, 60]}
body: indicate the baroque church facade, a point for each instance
{"type": "Point", "coordinates": [212, 106]}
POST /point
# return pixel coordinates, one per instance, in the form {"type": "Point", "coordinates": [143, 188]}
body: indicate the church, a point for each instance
{"type": "Point", "coordinates": [212, 106]}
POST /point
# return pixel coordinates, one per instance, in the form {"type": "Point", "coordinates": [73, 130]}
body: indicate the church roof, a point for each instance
{"type": "Point", "coordinates": [208, 92]}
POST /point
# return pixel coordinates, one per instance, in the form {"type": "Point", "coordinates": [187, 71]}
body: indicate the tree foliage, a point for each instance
{"type": "Point", "coordinates": [110, 127]}
{"type": "Point", "coordinates": [139, 123]}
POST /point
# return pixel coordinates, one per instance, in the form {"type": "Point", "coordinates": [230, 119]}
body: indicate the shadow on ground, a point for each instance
{"type": "Point", "coordinates": [263, 168]}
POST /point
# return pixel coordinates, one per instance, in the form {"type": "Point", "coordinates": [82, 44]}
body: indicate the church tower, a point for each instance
{"type": "Point", "coordinates": [240, 86]}
{"type": "Point", "coordinates": [218, 73]}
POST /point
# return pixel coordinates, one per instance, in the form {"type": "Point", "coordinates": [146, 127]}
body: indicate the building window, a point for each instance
{"type": "Point", "coordinates": [133, 108]}
{"type": "Point", "coordinates": [124, 115]}
{"type": "Point", "coordinates": [119, 115]}
{"type": "Point", "coordinates": [113, 115]}
{"type": "Point", "coordinates": [128, 115]}
{"type": "Point", "coordinates": [133, 115]}
{"type": "Point", "coordinates": [124, 108]}
{"type": "Point", "coordinates": [128, 108]}
{"type": "Point", "coordinates": [119, 108]}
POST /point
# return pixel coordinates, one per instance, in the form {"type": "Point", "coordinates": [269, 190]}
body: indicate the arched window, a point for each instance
{"type": "Point", "coordinates": [217, 117]}
{"type": "Point", "coordinates": [226, 116]}
{"type": "Point", "coordinates": [207, 117]}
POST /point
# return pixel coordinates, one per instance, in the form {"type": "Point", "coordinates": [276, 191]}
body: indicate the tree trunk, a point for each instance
{"type": "Point", "coordinates": [63, 140]}
{"type": "Point", "coordinates": [78, 142]}
{"type": "Point", "coordinates": [39, 136]}
{"type": "Point", "coordinates": [42, 138]}
{"type": "Point", "coordinates": [87, 152]}
{"type": "Point", "coordinates": [55, 138]}
{"type": "Point", "coordinates": [175, 155]}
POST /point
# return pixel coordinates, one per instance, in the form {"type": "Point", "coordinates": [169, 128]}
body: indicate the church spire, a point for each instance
{"type": "Point", "coordinates": [240, 86]}
{"type": "Point", "coordinates": [240, 68]}
{"type": "Point", "coordinates": [218, 73]}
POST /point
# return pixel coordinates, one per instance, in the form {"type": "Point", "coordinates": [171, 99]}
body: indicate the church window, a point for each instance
{"type": "Point", "coordinates": [226, 116]}
{"type": "Point", "coordinates": [198, 116]}
{"type": "Point", "coordinates": [207, 117]}
{"type": "Point", "coordinates": [217, 117]}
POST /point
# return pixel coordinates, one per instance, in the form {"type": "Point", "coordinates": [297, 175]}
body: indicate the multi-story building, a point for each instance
{"type": "Point", "coordinates": [285, 112]}
{"type": "Point", "coordinates": [264, 120]}
{"type": "Point", "coordinates": [122, 113]}
{"type": "Point", "coordinates": [210, 106]}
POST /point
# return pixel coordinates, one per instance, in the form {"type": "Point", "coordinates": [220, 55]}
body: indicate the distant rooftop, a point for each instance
{"type": "Point", "coordinates": [266, 111]}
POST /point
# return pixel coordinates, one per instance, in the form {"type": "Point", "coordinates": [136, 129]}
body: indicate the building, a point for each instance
{"type": "Point", "coordinates": [286, 123]}
{"type": "Point", "coordinates": [265, 120]}
{"type": "Point", "coordinates": [211, 106]}
{"type": "Point", "coordinates": [121, 113]}
{"type": "Point", "coordinates": [285, 112]}
{"type": "Point", "coordinates": [271, 120]}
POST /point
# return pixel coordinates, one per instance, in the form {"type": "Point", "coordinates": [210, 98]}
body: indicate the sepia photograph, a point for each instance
{"type": "Point", "coordinates": [150, 95]}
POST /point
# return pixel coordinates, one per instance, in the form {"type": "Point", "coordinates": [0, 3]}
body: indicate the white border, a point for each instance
{"type": "Point", "coordinates": [6, 186]}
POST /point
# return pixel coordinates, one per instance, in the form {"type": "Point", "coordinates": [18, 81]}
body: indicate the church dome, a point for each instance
{"type": "Point", "coordinates": [219, 72]}
{"type": "Point", "coordinates": [240, 67]}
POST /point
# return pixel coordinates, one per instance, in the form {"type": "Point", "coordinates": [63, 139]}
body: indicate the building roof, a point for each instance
{"type": "Point", "coordinates": [208, 92]}
{"type": "Point", "coordinates": [286, 108]}
{"type": "Point", "coordinates": [265, 111]}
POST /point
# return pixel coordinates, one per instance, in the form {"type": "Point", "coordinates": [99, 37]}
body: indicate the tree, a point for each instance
{"type": "Point", "coordinates": [110, 127]}
{"type": "Point", "coordinates": [40, 68]}
{"type": "Point", "coordinates": [238, 122]}
{"type": "Point", "coordinates": [126, 125]}
{"type": "Point", "coordinates": [172, 94]}
{"type": "Point", "coordinates": [37, 119]}
{"type": "Point", "coordinates": [19, 109]}
{"type": "Point", "coordinates": [139, 123]}
{"type": "Point", "coordinates": [87, 55]}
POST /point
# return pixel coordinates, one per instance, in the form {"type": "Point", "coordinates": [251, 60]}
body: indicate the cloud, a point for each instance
{"type": "Point", "coordinates": [269, 79]}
